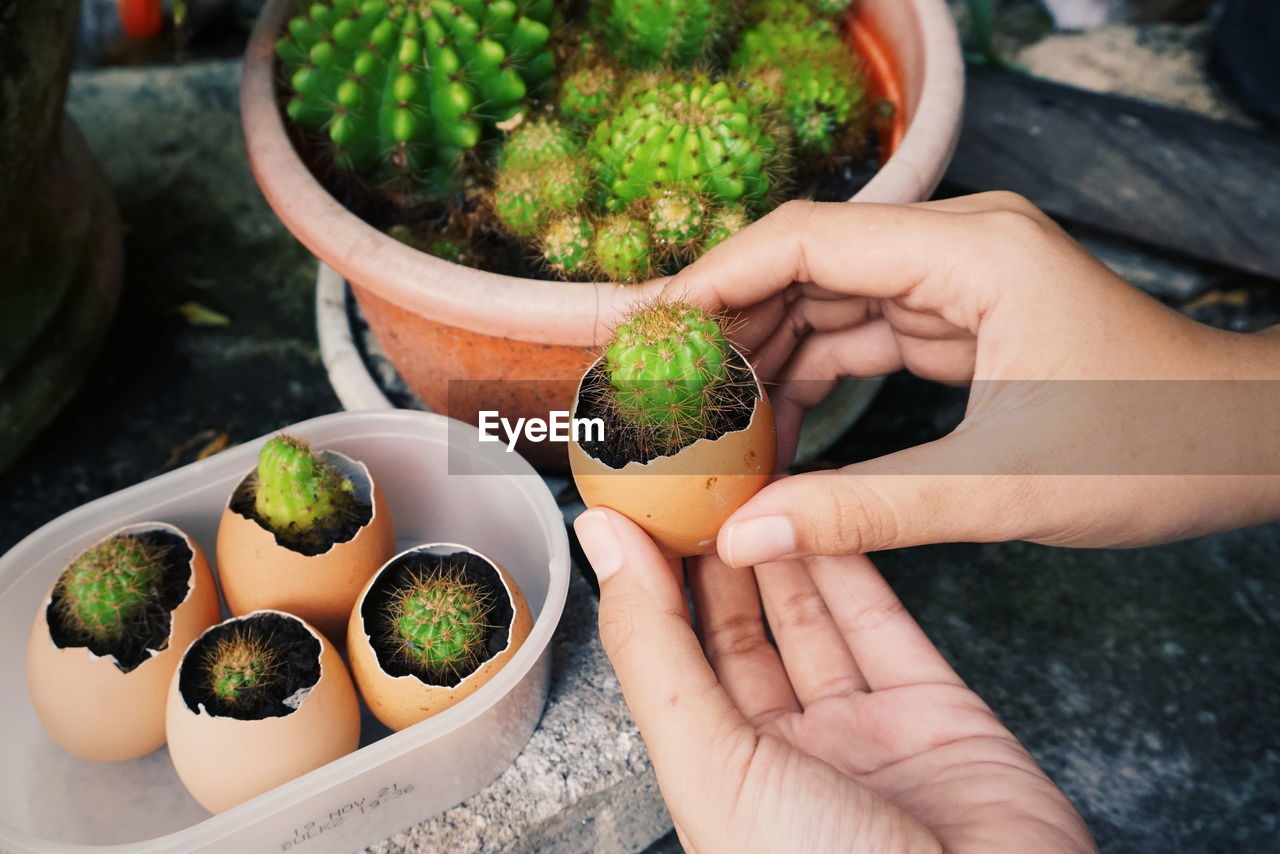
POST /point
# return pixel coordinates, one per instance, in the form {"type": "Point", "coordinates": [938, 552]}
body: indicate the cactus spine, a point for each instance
{"type": "Point", "coordinates": [403, 87]}
{"type": "Point", "coordinates": [668, 368]}
{"type": "Point", "coordinates": [439, 622]}
{"type": "Point", "coordinates": [109, 586]}
{"type": "Point", "coordinates": [296, 491]}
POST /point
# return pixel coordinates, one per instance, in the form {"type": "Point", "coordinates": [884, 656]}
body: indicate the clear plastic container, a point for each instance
{"type": "Point", "coordinates": [442, 486]}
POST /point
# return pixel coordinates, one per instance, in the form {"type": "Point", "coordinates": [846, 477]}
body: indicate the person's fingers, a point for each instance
{"type": "Point", "coordinates": [680, 707]}
{"type": "Point", "coordinates": [859, 249]}
{"type": "Point", "coordinates": [726, 605]}
{"type": "Point", "coordinates": [920, 495]}
{"type": "Point", "coordinates": [888, 645]}
{"type": "Point", "coordinates": [818, 662]}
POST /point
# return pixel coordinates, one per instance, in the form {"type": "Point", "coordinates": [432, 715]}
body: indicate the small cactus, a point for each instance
{"type": "Point", "coordinates": [623, 249]}
{"type": "Point", "coordinates": [566, 244]}
{"type": "Point", "coordinates": [438, 623]}
{"type": "Point", "coordinates": [296, 491]}
{"type": "Point", "coordinates": [667, 366]}
{"type": "Point", "coordinates": [829, 8]}
{"type": "Point", "coordinates": [588, 94]}
{"type": "Point", "coordinates": [109, 587]}
{"type": "Point", "coordinates": [238, 665]}
{"type": "Point", "coordinates": [674, 33]}
{"type": "Point", "coordinates": [403, 87]}
{"type": "Point", "coordinates": [541, 172]}
{"type": "Point", "coordinates": [688, 132]}
{"type": "Point", "coordinates": [677, 218]}
{"type": "Point", "coordinates": [802, 69]}
{"type": "Point", "coordinates": [726, 221]}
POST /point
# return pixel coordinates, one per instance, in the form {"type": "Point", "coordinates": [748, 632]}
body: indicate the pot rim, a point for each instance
{"type": "Point", "coordinates": [552, 312]}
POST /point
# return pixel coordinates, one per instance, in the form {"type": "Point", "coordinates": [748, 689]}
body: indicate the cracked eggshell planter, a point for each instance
{"type": "Point", "coordinates": [257, 571]}
{"type": "Point", "coordinates": [86, 702]}
{"type": "Point", "coordinates": [444, 486]}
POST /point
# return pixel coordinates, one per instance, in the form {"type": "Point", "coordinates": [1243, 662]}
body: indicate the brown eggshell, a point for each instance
{"type": "Point", "coordinates": [224, 760]}
{"type": "Point", "coordinates": [401, 701]}
{"type": "Point", "coordinates": [681, 500]}
{"type": "Point", "coordinates": [258, 573]}
{"type": "Point", "coordinates": [87, 704]}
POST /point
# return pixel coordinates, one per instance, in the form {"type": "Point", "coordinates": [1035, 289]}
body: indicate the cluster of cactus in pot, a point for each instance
{"type": "Point", "coordinates": [619, 146]}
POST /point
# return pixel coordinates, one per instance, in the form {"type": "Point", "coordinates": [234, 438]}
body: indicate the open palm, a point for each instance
{"type": "Point", "coordinates": [851, 734]}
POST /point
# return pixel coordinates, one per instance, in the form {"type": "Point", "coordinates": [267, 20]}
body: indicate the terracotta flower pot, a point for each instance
{"type": "Point", "coordinates": [439, 322]}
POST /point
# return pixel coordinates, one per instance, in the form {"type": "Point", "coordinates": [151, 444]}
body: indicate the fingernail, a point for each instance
{"type": "Point", "coordinates": [759, 540]}
{"type": "Point", "coordinates": [599, 542]}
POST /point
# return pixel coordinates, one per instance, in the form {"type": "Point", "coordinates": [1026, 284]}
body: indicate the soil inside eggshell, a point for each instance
{"type": "Point", "coordinates": [340, 528]}
{"type": "Point", "coordinates": [296, 671]}
{"type": "Point", "coordinates": [624, 442]}
{"type": "Point", "coordinates": [376, 611]}
{"type": "Point", "coordinates": [148, 628]}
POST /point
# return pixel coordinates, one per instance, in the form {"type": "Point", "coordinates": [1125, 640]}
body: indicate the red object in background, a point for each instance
{"type": "Point", "coordinates": [141, 19]}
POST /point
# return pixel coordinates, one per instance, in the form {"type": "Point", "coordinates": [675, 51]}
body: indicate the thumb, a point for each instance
{"type": "Point", "coordinates": [933, 493]}
{"type": "Point", "coordinates": [682, 711]}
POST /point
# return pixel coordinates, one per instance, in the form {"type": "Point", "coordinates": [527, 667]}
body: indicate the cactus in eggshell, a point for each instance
{"type": "Point", "coordinates": [403, 87]}
{"type": "Point", "coordinates": [295, 490]}
{"type": "Point", "coordinates": [238, 665]}
{"type": "Point", "coordinates": [109, 585]}
{"type": "Point", "coordinates": [668, 366]}
{"type": "Point", "coordinates": [439, 622]}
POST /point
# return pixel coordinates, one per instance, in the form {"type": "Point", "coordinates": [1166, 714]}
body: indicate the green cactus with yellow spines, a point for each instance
{"type": "Point", "coordinates": [239, 665]}
{"type": "Point", "coordinates": [725, 221]}
{"type": "Point", "coordinates": [623, 249]}
{"type": "Point", "coordinates": [109, 586]}
{"type": "Point", "coordinates": [566, 244]}
{"type": "Point", "coordinates": [439, 623]}
{"type": "Point", "coordinates": [677, 219]}
{"type": "Point", "coordinates": [686, 132]}
{"type": "Point", "coordinates": [541, 173]}
{"type": "Point", "coordinates": [645, 34]}
{"type": "Point", "coordinates": [801, 68]}
{"type": "Point", "coordinates": [403, 87]}
{"type": "Point", "coordinates": [668, 371]}
{"type": "Point", "coordinates": [295, 491]}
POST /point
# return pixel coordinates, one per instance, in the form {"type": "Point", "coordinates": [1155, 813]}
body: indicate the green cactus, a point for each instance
{"type": "Point", "coordinates": [588, 94]}
{"type": "Point", "coordinates": [296, 491]}
{"type": "Point", "coordinates": [623, 249]}
{"type": "Point", "coordinates": [666, 367]}
{"type": "Point", "coordinates": [677, 218]}
{"type": "Point", "coordinates": [674, 33]}
{"type": "Point", "coordinates": [685, 132]}
{"type": "Point", "coordinates": [403, 87]}
{"type": "Point", "coordinates": [541, 173]}
{"type": "Point", "coordinates": [566, 243]}
{"type": "Point", "coordinates": [829, 8]}
{"type": "Point", "coordinates": [726, 221]}
{"type": "Point", "coordinates": [238, 665]}
{"type": "Point", "coordinates": [439, 623]}
{"type": "Point", "coordinates": [109, 586]}
{"type": "Point", "coordinates": [803, 69]}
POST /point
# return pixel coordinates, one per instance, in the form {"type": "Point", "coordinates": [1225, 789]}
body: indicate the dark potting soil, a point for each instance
{"type": "Point", "coordinates": [376, 612]}
{"type": "Point", "coordinates": [339, 528]}
{"type": "Point", "coordinates": [147, 629]}
{"type": "Point", "coordinates": [624, 442]}
{"type": "Point", "coordinates": [296, 668]}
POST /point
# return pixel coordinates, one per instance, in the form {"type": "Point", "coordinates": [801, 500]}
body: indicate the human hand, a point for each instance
{"type": "Point", "coordinates": [1096, 416]}
{"type": "Point", "coordinates": [854, 734]}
